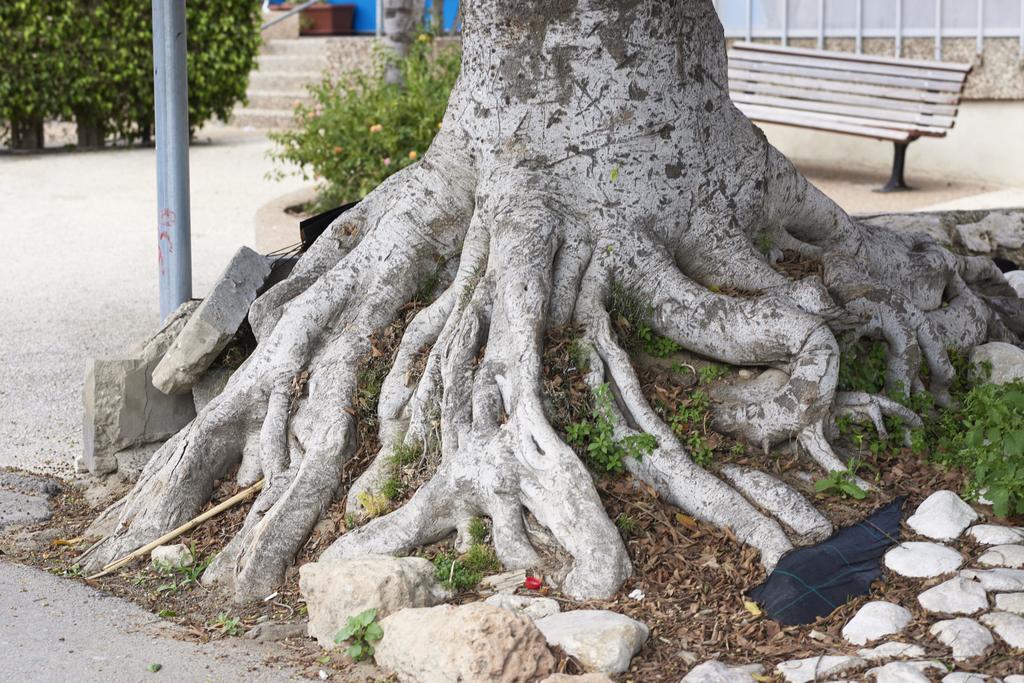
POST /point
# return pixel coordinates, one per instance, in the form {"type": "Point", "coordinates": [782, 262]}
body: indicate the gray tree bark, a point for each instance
{"type": "Point", "coordinates": [587, 142]}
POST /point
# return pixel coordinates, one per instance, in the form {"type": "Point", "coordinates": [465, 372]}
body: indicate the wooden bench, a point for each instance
{"type": "Point", "coordinates": [898, 100]}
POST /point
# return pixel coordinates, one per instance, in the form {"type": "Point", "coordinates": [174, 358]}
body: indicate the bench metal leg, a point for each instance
{"type": "Point", "coordinates": [899, 158]}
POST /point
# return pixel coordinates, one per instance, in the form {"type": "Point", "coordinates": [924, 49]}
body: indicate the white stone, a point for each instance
{"type": "Point", "coordinates": [942, 516]}
{"type": "Point", "coordinates": [992, 534]}
{"type": "Point", "coordinates": [599, 639]}
{"type": "Point", "coordinates": [1016, 280]}
{"type": "Point", "coordinates": [818, 668]}
{"type": "Point", "coordinates": [783, 501]}
{"type": "Point", "coordinates": [716, 672]}
{"type": "Point", "coordinates": [1014, 679]}
{"type": "Point", "coordinates": [904, 672]}
{"type": "Point", "coordinates": [1009, 627]}
{"type": "Point", "coordinates": [965, 637]}
{"type": "Point", "coordinates": [923, 560]}
{"type": "Point", "coordinates": [214, 324]}
{"type": "Point", "coordinates": [335, 590]}
{"type": "Point", "coordinates": [876, 620]}
{"type": "Point", "coordinates": [474, 642]}
{"type": "Point", "coordinates": [172, 556]}
{"type": "Point", "coordinates": [1007, 361]}
{"type": "Point", "coordinates": [891, 650]}
{"type": "Point", "coordinates": [997, 580]}
{"type": "Point", "coordinates": [533, 607]}
{"type": "Point", "coordinates": [959, 595]}
{"type": "Point", "coordinates": [1009, 556]}
{"type": "Point", "coordinates": [1010, 602]}
{"type": "Point", "coordinates": [965, 677]}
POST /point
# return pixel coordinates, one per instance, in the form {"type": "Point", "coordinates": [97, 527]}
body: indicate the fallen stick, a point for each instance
{"type": "Point", "coordinates": [187, 526]}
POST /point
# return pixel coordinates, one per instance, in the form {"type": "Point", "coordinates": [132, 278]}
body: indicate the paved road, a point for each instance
{"type": "Point", "coordinates": [78, 271]}
{"type": "Point", "coordinates": [54, 630]}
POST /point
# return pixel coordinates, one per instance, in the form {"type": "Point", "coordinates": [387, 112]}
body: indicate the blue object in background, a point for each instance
{"type": "Point", "coordinates": [365, 19]}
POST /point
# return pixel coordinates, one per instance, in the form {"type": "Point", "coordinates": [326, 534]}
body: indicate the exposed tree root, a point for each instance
{"type": "Point", "coordinates": [570, 161]}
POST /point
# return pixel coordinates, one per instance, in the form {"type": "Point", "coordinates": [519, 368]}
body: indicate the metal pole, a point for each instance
{"type": "Point", "coordinates": [170, 90]}
{"type": "Point", "coordinates": [859, 41]}
{"type": "Point", "coordinates": [821, 24]}
{"type": "Point", "coordinates": [750, 20]}
{"type": "Point", "coordinates": [981, 27]}
{"type": "Point", "coordinates": [785, 22]}
{"type": "Point", "coordinates": [938, 30]}
{"type": "Point", "coordinates": [899, 28]}
{"type": "Point", "coordinates": [380, 18]}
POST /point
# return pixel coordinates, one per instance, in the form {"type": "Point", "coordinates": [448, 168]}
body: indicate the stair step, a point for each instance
{"type": "Point", "coordinates": [264, 119]}
{"type": "Point", "coordinates": [283, 81]}
{"type": "Point", "coordinates": [277, 99]}
{"type": "Point", "coordinates": [297, 46]}
{"type": "Point", "coordinates": [291, 63]}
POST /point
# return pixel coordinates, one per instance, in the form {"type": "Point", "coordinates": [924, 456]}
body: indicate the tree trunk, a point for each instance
{"type": "Point", "coordinates": [27, 134]}
{"type": "Point", "coordinates": [400, 19]}
{"type": "Point", "coordinates": [90, 130]}
{"type": "Point", "coordinates": [588, 145]}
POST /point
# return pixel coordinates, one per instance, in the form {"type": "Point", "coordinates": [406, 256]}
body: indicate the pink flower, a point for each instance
{"type": "Point", "coordinates": [387, 161]}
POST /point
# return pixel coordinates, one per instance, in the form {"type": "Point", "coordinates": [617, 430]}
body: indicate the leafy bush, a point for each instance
{"type": "Point", "coordinates": [597, 436]}
{"type": "Point", "coordinates": [92, 60]}
{"type": "Point", "coordinates": [359, 129]}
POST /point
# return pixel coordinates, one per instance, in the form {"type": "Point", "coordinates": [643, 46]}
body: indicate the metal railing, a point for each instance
{"type": "Point", "coordinates": [744, 19]}
{"type": "Point", "coordinates": [284, 15]}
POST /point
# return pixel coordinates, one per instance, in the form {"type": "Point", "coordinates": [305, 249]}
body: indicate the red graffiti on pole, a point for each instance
{"type": "Point", "coordinates": [166, 221]}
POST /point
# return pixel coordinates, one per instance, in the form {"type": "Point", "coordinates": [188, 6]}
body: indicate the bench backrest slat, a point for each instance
{"type": "Point", "coordinates": [755, 111]}
{"type": "Point", "coordinates": [849, 57]}
{"type": "Point", "coordinates": [833, 64]}
{"type": "Point", "coordinates": [863, 112]}
{"type": "Point", "coordinates": [745, 62]}
{"type": "Point", "coordinates": [782, 118]}
{"type": "Point", "coordinates": [813, 94]}
{"type": "Point", "coordinates": [907, 94]}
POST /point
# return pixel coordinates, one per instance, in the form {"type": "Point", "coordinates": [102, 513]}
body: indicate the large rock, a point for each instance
{"type": "Point", "coordinates": [1010, 602]}
{"type": "Point", "coordinates": [825, 667]}
{"type": "Point", "coordinates": [1006, 359]}
{"type": "Point", "coordinates": [214, 323]}
{"type": "Point", "coordinates": [993, 534]}
{"type": "Point", "coordinates": [532, 607]}
{"type": "Point", "coordinates": [892, 650]}
{"type": "Point", "coordinates": [1009, 627]}
{"type": "Point", "coordinates": [965, 677]}
{"type": "Point", "coordinates": [921, 560]}
{"type": "Point", "coordinates": [335, 590]}
{"type": "Point", "coordinates": [965, 637]}
{"type": "Point", "coordinates": [905, 672]}
{"type": "Point", "coordinates": [1016, 280]}
{"type": "Point", "coordinates": [959, 595]}
{"type": "Point", "coordinates": [942, 516]}
{"type": "Point", "coordinates": [876, 620]}
{"type": "Point", "coordinates": [171, 556]}
{"type": "Point", "coordinates": [782, 500]}
{"type": "Point", "coordinates": [997, 580]}
{"type": "Point", "coordinates": [1009, 556]}
{"type": "Point", "coordinates": [474, 642]}
{"type": "Point", "coordinates": [122, 408]}
{"type": "Point", "coordinates": [997, 231]}
{"type": "Point", "coordinates": [716, 672]}
{"type": "Point", "coordinates": [600, 640]}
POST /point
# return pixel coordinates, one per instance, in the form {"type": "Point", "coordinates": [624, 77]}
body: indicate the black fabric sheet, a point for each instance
{"type": "Point", "coordinates": [813, 581]}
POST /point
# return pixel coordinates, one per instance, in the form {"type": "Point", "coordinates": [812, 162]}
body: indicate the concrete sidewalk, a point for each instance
{"type": "Point", "coordinates": [78, 270]}
{"type": "Point", "coordinates": [54, 630]}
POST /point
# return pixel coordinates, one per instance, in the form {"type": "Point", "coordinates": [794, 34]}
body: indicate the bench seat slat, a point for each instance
{"type": "Point", "coordinates": [741, 62]}
{"type": "Point", "coordinates": [843, 56]}
{"type": "Point", "coordinates": [912, 129]}
{"type": "Point", "coordinates": [812, 94]}
{"type": "Point", "coordinates": [863, 112]}
{"type": "Point", "coordinates": [781, 118]}
{"type": "Point", "coordinates": [832, 64]}
{"type": "Point", "coordinates": [905, 94]}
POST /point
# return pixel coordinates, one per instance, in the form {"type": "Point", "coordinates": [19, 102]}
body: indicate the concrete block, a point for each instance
{"type": "Point", "coordinates": [122, 409]}
{"type": "Point", "coordinates": [214, 323]}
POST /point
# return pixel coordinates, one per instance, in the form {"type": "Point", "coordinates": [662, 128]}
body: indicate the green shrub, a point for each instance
{"type": "Point", "coordinates": [92, 60]}
{"type": "Point", "coordinates": [597, 437]}
{"type": "Point", "coordinates": [359, 129]}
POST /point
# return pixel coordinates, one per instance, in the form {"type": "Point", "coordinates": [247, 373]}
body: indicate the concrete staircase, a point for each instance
{"type": "Point", "coordinates": [283, 69]}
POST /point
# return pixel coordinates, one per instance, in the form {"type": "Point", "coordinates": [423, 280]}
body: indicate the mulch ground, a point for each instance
{"type": "Point", "coordinates": [693, 576]}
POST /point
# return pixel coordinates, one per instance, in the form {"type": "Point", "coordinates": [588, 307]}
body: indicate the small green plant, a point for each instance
{"type": "Point", "coordinates": [597, 436]}
{"type": "Point", "coordinates": [361, 632]}
{"type": "Point", "coordinates": [626, 524]}
{"type": "Point", "coordinates": [154, 667]}
{"type": "Point", "coordinates": [182, 577]}
{"type": "Point", "coordinates": [478, 531]}
{"type": "Point", "coordinates": [842, 483]}
{"type": "Point", "coordinates": [392, 488]}
{"type": "Point", "coordinates": [359, 129]}
{"type": "Point", "coordinates": [712, 371]}
{"type": "Point", "coordinates": [630, 314]}
{"type": "Point", "coordinates": [463, 572]}
{"type": "Point", "coordinates": [227, 625]}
